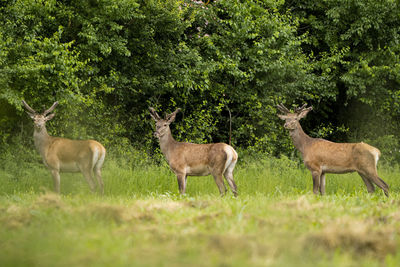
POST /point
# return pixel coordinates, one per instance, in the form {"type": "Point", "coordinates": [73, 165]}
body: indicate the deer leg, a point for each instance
{"type": "Point", "coordinates": [184, 183]}
{"type": "Point", "coordinates": [322, 184]}
{"type": "Point", "coordinates": [181, 183]}
{"type": "Point", "coordinates": [316, 178]}
{"type": "Point", "coordinates": [229, 178]}
{"type": "Point", "coordinates": [56, 180]}
{"type": "Point", "coordinates": [380, 183]}
{"type": "Point", "coordinates": [89, 178]}
{"type": "Point", "coordinates": [373, 177]}
{"type": "Point", "coordinates": [97, 173]}
{"type": "Point", "coordinates": [386, 186]}
{"type": "Point", "coordinates": [368, 183]}
{"type": "Point", "coordinates": [87, 170]}
{"type": "Point", "coordinates": [220, 183]}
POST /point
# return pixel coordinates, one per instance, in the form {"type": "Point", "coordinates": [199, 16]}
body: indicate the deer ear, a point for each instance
{"type": "Point", "coordinates": [31, 115]}
{"type": "Point", "coordinates": [304, 113]}
{"type": "Point", "coordinates": [47, 118]}
{"type": "Point", "coordinates": [282, 117]}
{"type": "Point", "coordinates": [171, 117]}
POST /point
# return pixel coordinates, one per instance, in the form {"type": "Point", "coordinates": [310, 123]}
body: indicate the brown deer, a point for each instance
{"type": "Point", "coordinates": [66, 155]}
{"type": "Point", "coordinates": [187, 159]}
{"type": "Point", "coordinates": [321, 156]}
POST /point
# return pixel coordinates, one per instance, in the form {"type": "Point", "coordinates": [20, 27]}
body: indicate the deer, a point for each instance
{"type": "Point", "coordinates": [188, 159]}
{"type": "Point", "coordinates": [66, 155]}
{"type": "Point", "coordinates": [321, 156]}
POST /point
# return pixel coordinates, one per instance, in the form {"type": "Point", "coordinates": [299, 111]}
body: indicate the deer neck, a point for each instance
{"type": "Point", "coordinates": [42, 140]}
{"type": "Point", "coordinates": [300, 138]}
{"type": "Point", "coordinates": [167, 143]}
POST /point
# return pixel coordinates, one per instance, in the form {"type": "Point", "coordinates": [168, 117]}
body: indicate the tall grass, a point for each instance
{"type": "Point", "coordinates": [258, 175]}
{"type": "Point", "coordinates": [142, 220]}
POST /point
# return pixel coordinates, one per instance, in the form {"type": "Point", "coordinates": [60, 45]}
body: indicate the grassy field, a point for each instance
{"type": "Point", "coordinates": [142, 221]}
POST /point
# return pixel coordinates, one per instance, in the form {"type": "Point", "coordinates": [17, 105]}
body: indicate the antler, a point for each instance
{"type": "Point", "coordinates": [50, 109]}
{"type": "Point", "coordinates": [283, 109]}
{"type": "Point", "coordinates": [173, 114]}
{"type": "Point", "coordinates": [300, 109]}
{"type": "Point", "coordinates": [154, 114]}
{"type": "Point", "coordinates": [31, 110]}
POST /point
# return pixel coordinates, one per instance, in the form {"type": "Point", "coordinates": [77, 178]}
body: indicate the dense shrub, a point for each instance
{"type": "Point", "coordinates": [106, 62]}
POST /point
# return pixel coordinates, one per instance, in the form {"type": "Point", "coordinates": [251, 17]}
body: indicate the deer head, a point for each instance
{"type": "Point", "coordinates": [40, 120]}
{"type": "Point", "coordinates": [162, 125]}
{"type": "Point", "coordinates": [292, 118]}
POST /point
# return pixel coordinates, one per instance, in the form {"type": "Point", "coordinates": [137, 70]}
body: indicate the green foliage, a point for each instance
{"type": "Point", "coordinates": [355, 46]}
{"type": "Point", "coordinates": [106, 62]}
{"type": "Point", "coordinates": [389, 147]}
{"type": "Point", "coordinates": [113, 59]}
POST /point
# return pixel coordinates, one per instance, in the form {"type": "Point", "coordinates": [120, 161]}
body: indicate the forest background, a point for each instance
{"type": "Point", "coordinates": [107, 61]}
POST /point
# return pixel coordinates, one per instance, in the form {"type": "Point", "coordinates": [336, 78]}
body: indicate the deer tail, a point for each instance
{"type": "Point", "coordinates": [99, 154]}
{"type": "Point", "coordinates": [231, 158]}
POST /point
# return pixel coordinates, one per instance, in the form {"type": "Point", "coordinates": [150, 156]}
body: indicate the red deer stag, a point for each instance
{"type": "Point", "coordinates": [66, 155]}
{"type": "Point", "coordinates": [187, 159]}
{"type": "Point", "coordinates": [321, 156]}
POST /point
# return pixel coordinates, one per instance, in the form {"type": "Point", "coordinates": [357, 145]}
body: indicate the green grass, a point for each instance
{"type": "Point", "coordinates": [142, 220]}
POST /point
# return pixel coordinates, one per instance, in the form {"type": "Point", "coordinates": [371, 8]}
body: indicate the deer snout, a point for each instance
{"type": "Point", "coordinates": [39, 125]}
{"type": "Point", "coordinates": [289, 125]}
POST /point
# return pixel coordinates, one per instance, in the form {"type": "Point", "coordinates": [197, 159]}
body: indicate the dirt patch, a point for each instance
{"type": "Point", "coordinates": [151, 206]}
{"type": "Point", "coordinates": [166, 206]}
{"type": "Point", "coordinates": [302, 203]}
{"type": "Point", "coordinates": [360, 237]}
{"type": "Point", "coordinates": [205, 217]}
{"type": "Point", "coordinates": [141, 210]}
{"type": "Point", "coordinates": [15, 217]}
{"type": "Point", "coordinates": [117, 213]}
{"type": "Point", "coordinates": [198, 204]}
{"type": "Point", "coordinates": [243, 244]}
{"type": "Point", "coordinates": [200, 218]}
{"type": "Point", "coordinates": [49, 200]}
{"type": "Point", "coordinates": [107, 212]}
{"type": "Point", "coordinates": [395, 216]}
